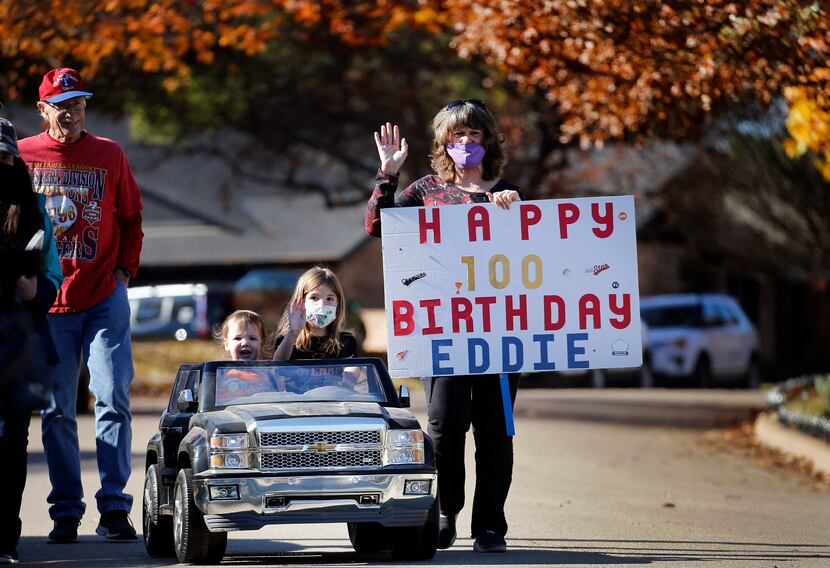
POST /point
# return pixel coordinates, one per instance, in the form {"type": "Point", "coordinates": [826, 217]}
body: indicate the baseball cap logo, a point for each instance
{"type": "Point", "coordinates": [65, 81]}
{"type": "Point", "coordinates": [62, 84]}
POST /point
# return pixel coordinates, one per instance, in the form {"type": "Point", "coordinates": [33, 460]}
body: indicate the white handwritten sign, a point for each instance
{"type": "Point", "coordinates": [546, 285]}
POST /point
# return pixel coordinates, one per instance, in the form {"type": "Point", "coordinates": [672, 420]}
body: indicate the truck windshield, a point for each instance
{"type": "Point", "coordinates": [307, 383]}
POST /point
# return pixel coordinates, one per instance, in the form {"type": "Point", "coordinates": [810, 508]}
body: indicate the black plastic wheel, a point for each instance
{"type": "Point", "coordinates": [417, 543]}
{"type": "Point", "coordinates": [368, 538]}
{"type": "Point", "coordinates": [158, 529]}
{"type": "Point", "coordinates": [194, 543]}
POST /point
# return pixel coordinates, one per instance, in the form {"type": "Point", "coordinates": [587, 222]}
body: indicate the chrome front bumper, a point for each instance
{"type": "Point", "coordinates": [283, 499]}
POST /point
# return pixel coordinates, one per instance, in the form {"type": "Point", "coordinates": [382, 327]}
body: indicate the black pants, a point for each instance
{"type": "Point", "coordinates": [453, 404]}
{"type": "Point", "coordinates": [14, 438]}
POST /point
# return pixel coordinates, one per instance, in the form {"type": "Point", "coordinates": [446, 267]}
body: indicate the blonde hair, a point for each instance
{"type": "Point", "coordinates": [245, 318]}
{"type": "Point", "coordinates": [472, 116]}
{"type": "Point", "coordinates": [310, 280]}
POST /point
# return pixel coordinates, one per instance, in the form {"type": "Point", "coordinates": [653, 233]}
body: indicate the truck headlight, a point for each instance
{"type": "Point", "coordinates": [403, 447]}
{"type": "Point", "coordinates": [229, 460]}
{"type": "Point", "coordinates": [229, 441]}
{"type": "Point", "coordinates": [229, 451]}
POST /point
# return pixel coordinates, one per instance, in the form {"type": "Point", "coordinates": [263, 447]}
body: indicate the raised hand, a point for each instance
{"type": "Point", "coordinates": [296, 315]}
{"type": "Point", "coordinates": [392, 149]}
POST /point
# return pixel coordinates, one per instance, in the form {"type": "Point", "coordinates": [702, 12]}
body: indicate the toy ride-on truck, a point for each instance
{"type": "Point", "coordinates": [244, 444]}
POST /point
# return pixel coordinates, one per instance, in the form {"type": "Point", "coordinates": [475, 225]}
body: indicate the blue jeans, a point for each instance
{"type": "Point", "coordinates": [102, 335]}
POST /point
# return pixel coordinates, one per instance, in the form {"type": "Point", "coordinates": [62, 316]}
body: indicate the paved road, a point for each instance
{"type": "Point", "coordinates": [611, 478]}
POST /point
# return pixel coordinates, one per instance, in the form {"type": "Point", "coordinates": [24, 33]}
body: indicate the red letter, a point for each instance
{"type": "Point", "coordinates": [589, 306]}
{"type": "Point", "coordinates": [402, 323]}
{"type": "Point", "coordinates": [478, 218]}
{"type": "Point", "coordinates": [462, 309]}
{"type": "Point", "coordinates": [531, 214]}
{"type": "Point", "coordinates": [510, 312]}
{"type": "Point", "coordinates": [485, 302]}
{"type": "Point", "coordinates": [431, 328]}
{"type": "Point", "coordinates": [623, 311]}
{"type": "Point", "coordinates": [434, 225]}
{"type": "Point", "coordinates": [568, 214]}
{"type": "Point", "coordinates": [607, 219]}
{"type": "Point", "coordinates": [551, 325]}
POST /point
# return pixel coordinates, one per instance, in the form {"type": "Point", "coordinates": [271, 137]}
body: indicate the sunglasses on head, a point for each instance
{"type": "Point", "coordinates": [459, 102]}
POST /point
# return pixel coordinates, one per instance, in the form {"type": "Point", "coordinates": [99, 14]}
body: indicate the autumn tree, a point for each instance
{"type": "Point", "coordinates": [808, 123]}
{"type": "Point", "coordinates": [322, 73]}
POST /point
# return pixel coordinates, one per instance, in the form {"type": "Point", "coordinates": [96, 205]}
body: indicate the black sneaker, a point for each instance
{"type": "Point", "coordinates": [446, 531]}
{"type": "Point", "coordinates": [9, 557]}
{"type": "Point", "coordinates": [65, 531]}
{"type": "Point", "coordinates": [116, 525]}
{"type": "Point", "coordinates": [489, 541]}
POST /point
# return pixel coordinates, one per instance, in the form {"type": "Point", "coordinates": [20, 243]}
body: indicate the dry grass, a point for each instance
{"type": "Point", "coordinates": [741, 440]}
{"type": "Point", "coordinates": [156, 362]}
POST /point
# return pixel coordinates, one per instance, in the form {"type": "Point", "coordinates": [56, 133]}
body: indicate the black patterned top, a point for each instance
{"type": "Point", "coordinates": [430, 190]}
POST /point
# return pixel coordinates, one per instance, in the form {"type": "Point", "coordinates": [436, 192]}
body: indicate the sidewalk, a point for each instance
{"type": "Point", "coordinates": [771, 433]}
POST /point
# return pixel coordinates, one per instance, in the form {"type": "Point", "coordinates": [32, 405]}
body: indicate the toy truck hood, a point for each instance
{"type": "Point", "coordinates": [231, 418]}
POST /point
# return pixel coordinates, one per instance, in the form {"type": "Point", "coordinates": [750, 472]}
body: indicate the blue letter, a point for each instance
{"type": "Point", "coordinates": [506, 342]}
{"type": "Point", "coordinates": [472, 343]}
{"type": "Point", "coordinates": [573, 351]}
{"type": "Point", "coordinates": [437, 357]}
{"type": "Point", "coordinates": [546, 364]}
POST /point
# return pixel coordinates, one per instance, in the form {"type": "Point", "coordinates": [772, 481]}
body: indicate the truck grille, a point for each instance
{"type": "Point", "coordinates": [321, 450]}
{"type": "Point", "coordinates": [318, 460]}
{"type": "Point", "coordinates": [275, 439]}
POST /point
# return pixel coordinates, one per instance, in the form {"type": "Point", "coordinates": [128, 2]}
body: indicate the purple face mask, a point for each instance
{"type": "Point", "coordinates": [466, 156]}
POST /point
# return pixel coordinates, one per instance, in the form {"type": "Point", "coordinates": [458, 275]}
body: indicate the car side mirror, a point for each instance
{"type": "Point", "coordinates": [403, 395]}
{"type": "Point", "coordinates": [186, 402]}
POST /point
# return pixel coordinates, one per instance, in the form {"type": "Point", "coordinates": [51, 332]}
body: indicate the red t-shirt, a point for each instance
{"type": "Point", "coordinates": [95, 206]}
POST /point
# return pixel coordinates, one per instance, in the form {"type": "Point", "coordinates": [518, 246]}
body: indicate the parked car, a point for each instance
{"type": "Point", "coordinates": [244, 444]}
{"type": "Point", "coordinates": [706, 337]}
{"type": "Point", "coordinates": [177, 310]}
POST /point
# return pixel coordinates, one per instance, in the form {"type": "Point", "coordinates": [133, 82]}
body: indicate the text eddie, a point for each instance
{"type": "Point", "coordinates": [546, 285]}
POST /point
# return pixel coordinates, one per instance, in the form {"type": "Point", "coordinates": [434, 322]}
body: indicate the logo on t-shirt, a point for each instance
{"type": "Point", "coordinates": [92, 213]}
{"type": "Point", "coordinates": [73, 193]}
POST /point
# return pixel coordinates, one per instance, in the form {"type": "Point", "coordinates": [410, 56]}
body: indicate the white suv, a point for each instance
{"type": "Point", "coordinates": [703, 336]}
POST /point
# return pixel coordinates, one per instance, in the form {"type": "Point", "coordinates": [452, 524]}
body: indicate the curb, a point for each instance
{"type": "Point", "coordinates": [771, 433]}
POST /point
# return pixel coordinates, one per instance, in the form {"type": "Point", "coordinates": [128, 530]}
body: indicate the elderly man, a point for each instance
{"type": "Point", "coordinates": [95, 206]}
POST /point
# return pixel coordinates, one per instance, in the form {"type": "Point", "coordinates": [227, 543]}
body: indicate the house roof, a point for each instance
{"type": "Point", "coordinates": [200, 210]}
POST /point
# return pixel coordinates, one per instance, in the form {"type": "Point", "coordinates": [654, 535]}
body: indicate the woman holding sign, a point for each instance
{"type": "Point", "coordinates": [467, 158]}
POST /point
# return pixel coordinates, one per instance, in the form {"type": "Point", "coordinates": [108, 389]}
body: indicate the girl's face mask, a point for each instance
{"type": "Point", "coordinates": [320, 316]}
{"type": "Point", "coordinates": [466, 156]}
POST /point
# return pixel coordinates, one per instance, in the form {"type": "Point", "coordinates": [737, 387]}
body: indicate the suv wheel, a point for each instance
{"type": "Point", "coordinates": [753, 373]}
{"type": "Point", "coordinates": [417, 543]}
{"type": "Point", "coordinates": [158, 529]}
{"type": "Point", "coordinates": [193, 541]}
{"type": "Point", "coordinates": [703, 372]}
{"type": "Point", "coordinates": [646, 373]}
